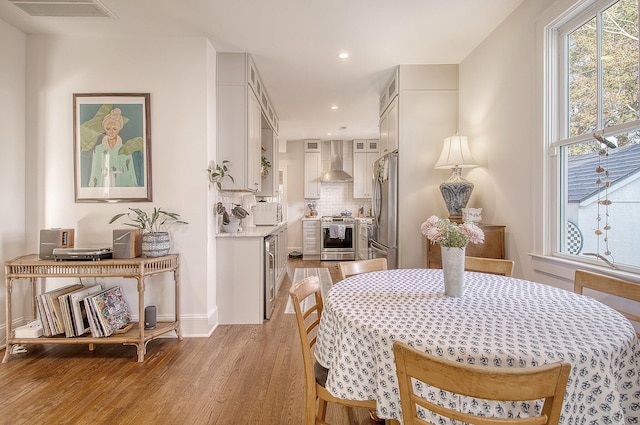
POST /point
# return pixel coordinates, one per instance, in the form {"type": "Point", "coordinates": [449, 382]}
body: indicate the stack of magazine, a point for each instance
{"type": "Point", "coordinates": [76, 309]}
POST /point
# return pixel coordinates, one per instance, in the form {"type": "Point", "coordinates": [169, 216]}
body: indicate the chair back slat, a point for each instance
{"type": "Point", "coordinates": [489, 265]}
{"type": "Point", "coordinates": [612, 286]}
{"type": "Point", "coordinates": [350, 268]}
{"type": "Point", "coordinates": [546, 382]}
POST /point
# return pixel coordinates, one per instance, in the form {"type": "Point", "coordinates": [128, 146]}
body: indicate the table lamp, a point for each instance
{"type": "Point", "coordinates": [456, 190]}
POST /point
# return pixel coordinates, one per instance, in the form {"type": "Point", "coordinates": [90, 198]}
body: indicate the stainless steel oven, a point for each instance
{"type": "Point", "coordinates": [337, 238]}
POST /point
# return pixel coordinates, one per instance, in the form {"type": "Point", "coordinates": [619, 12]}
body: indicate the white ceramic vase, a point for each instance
{"type": "Point", "coordinates": [233, 226]}
{"type": "Point", "coordinates": [453, 271]}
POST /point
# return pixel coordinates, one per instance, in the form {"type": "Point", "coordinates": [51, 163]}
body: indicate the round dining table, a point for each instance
{"type": "Point", "coordinates": [498, 322]}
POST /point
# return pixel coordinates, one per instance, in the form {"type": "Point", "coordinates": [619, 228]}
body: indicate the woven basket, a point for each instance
{"type": "Point", "coordinates": [155, 244]}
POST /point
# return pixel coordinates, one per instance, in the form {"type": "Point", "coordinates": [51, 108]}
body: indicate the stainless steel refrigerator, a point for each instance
{"type": "Point", "coordinates": [384, 242]}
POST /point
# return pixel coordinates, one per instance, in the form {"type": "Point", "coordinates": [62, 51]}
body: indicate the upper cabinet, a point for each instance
{"type": "Point", "coordinates": [243, 110]}
{"type": "Point", "coordinates": [365, 153]}
{"type": "Point", "coordinates": [389, 128]}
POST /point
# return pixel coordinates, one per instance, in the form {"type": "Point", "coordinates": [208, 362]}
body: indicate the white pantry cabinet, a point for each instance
{"type": "Point", "coordinates": [312, 174]}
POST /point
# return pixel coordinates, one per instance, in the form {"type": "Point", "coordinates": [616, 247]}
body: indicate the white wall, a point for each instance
{"type": "Point", "coordinates": [293, 159]}
{"type": "Point", "coordinates": [498, 112]}
{"type": "Point", "coordinates": [177, 74]}
{"type": "Point", "coordinates": [12, 160]}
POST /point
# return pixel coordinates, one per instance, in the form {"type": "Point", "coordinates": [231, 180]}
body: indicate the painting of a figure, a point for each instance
{"type": "Point", "coordinates": [112, 147]}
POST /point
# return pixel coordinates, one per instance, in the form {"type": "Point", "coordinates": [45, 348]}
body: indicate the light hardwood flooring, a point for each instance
{"type": "Point", "coordinates": [242, 374]}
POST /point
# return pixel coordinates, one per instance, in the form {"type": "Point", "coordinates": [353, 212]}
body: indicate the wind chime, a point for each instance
{"type": "Point", "coordinates": [602, 219]}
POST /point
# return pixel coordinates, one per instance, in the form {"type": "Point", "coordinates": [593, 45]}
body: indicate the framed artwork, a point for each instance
{"type": "Point", "coordinates": [112, 147]}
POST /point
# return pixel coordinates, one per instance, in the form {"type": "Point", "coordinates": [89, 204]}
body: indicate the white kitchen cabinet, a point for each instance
{"type": "Point", "coordinates": [312, 145]}
{"type": "Point", "coordinates": [365, 145]}
{"type": "Point", "coordinates": [311, 239]}
{"type": "Point", "coordinates": [240, 280]}
{"type": "Point", "coordinates": [240, 273]}
{"type": "Point", "coordinates": [363, 232]}
{"type": "Point", "coordinates": [363, 174]}
{"type": "Point", "coordinates": [241, 104]}
{"type": "Point", "coordinates": [365, 153]}
{"type": "Point", "coordinates": [389, 128]}
{"type": "Point", "coordinates": [312, 174]}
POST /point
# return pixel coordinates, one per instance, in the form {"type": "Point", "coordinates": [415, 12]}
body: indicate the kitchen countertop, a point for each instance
{"type": "Point", "coordinates": [253, 231]}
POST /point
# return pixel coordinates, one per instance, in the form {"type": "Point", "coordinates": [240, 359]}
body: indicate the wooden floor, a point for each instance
{"type": "Point", "coordinates": [242, 374]}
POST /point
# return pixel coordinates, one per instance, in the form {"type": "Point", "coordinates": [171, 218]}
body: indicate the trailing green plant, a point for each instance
{"type": "Point", "coordinates": [237, 211]}
{"type": "Point", "coordinates": [158, 221]}
{"type": "Point", "coordinates": [265, 165]}
{"type": "Point", "coordinates": [218, 173]}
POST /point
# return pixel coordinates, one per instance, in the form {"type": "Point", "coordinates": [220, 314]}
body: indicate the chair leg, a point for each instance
{"type": "Point", "coordinates": [322, 408]}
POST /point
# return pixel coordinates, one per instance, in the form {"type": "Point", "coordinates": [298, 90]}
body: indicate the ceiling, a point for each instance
{"type": "Point", "coordinates": [295, 44]}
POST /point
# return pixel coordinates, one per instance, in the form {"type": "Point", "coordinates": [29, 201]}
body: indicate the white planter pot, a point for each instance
{"type": "Point", "coordinates": [453, 271]}
{"type": "Point", "coordinates": [232, 227]}
{"type": "Point", "coordinates": [155, 244]}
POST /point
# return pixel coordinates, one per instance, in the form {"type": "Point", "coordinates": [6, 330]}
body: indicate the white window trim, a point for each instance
{"type": "Point", "coordinates": [545, 196]}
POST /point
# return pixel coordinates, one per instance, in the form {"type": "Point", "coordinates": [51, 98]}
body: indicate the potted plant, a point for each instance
{"type": "Point", "coordinates": [218, 173]}
{"type": "Point", "coordinates": [230, 223]}
{"type": "Point", "coordinates": [265, 165]}
{"type": "Point", "coordinates": [155, 228]}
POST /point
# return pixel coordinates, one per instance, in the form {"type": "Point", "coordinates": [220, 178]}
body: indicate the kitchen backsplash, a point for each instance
{"type": "Point", "coordinates": [336, 197]}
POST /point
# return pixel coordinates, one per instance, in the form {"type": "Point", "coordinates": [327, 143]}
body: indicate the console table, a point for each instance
{"type": "Point", "coordinates": [30, 267]}
{"type": "Point", "coordinates": [493, 246]}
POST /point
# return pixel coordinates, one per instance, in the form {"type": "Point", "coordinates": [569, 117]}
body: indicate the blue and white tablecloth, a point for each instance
{"type": "Point", "coordinates": [500, 321]}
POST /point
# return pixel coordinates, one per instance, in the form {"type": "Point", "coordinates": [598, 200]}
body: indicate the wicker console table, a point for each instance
{"type": "Point", "coordinates": [30, 267]}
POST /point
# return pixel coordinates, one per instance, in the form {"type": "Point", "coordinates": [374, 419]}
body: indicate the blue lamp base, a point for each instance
{"type": "Point", "coordinates": [456, 192]}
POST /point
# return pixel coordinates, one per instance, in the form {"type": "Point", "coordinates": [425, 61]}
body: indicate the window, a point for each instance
{"type": "Point", "coordinates": [596, 148]}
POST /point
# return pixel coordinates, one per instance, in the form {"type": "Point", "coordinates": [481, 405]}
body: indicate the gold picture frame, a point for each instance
{"type": "Point", "coordinates": [112, 147]}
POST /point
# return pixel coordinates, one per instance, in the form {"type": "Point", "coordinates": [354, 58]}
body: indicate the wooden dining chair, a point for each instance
{"type": "Point", "coordinates": [489, 383]}
{"type": "Point", "coordinates": [489, 265]}
{"type": "Point", "coordinates": [349, 268]}
{"type": "Point", "coordinates": [314, 373]}
{"type": "Point", "coordinates": [612, 286]}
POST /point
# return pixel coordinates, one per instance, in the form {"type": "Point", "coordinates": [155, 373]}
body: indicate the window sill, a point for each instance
{"type": "Point", "coordinates": [564, 268]}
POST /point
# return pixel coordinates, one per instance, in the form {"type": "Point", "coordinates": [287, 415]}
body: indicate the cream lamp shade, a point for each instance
{"type": "Point", "coordinates": [455, 153]}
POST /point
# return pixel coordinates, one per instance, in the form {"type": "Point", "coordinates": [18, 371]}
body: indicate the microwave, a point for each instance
{"type": "Point", "coordinates": [266, 214]}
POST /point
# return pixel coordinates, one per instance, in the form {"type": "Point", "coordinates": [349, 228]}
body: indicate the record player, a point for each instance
{"type": "Point", "coordinates": [82, 254]}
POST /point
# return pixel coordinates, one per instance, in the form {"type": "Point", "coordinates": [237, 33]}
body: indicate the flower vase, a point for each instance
{"type": "Point", "coordinates": [453, 271]}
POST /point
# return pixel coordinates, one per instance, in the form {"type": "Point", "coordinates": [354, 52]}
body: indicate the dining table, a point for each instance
{"type": "Point", "coordinates": [499, 321]}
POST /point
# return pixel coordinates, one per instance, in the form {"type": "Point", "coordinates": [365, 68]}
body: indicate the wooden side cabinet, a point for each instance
{"type": "Point", "coordinates": [493, 246]}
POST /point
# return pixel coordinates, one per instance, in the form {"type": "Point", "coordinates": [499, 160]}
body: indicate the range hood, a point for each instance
{"type": "Point", "coordinates": [336, 174]}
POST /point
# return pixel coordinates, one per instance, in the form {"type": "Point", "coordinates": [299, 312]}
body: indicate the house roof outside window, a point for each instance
{"type": "Point", "coordinates": [623, 163]}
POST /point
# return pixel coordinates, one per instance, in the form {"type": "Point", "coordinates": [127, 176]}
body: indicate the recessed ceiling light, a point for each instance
{"type": "Point", "coordinates": [334, 107]}
{"type": "Point", "coordinates": [343, 55]}
{"type": "Point", "coordinates": [328, 134]}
